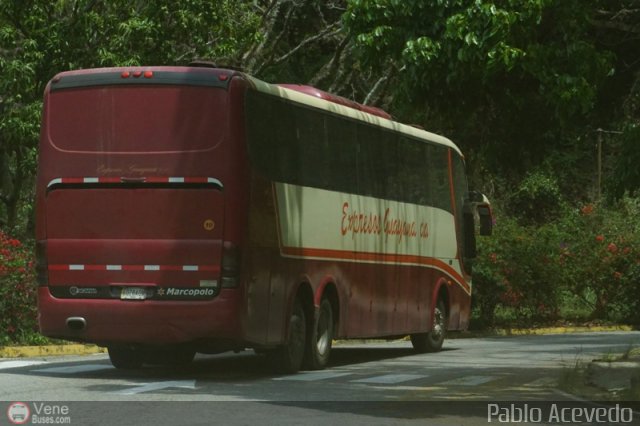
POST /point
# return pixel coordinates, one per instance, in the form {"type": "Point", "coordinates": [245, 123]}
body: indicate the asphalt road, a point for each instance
{"type": "Point", "coordinates": [365, 383]}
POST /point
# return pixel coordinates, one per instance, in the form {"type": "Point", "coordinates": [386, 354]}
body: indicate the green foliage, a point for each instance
{"type": "Point", "coordinates": [508, 80]}
{"type": "Point", "coordinates": [587, 260]}
{"type": "Point", "coordinates": [515, 270]}
{"type": "Point", "coordinates": [537, 200]}
{"type": "Point", "coordinates": [626, 172]}
{"type": "Point", "coordinates": [519, 84]}
{"type": "Point", "coordinates": [18, 316]}
{"type": "Point", "coordinates": [39, 39]}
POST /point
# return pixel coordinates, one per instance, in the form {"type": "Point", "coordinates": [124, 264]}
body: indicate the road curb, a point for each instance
{"type": "Point", "coordinates": [540, 331]}
{"type": "Point", "coordinates": [48, 350]}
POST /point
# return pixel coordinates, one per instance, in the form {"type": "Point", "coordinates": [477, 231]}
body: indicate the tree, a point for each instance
{"type": "Point", "coordinates": [278, 39]}
{"type": "Point", "coordinates": [617, 28]}
{"type": "Point", "coordinates": [509, 80]}
{"type": "Point", "coordinates": [41, 38]}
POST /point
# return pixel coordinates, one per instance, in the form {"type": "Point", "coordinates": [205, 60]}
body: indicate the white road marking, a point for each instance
{"type": "Point", "coordinates": [155, 386]}
{"type": "Point", "coordinates": [468, 381]}
{"type": "Point", "coordinates": [17, 364]}
{"type": "Point", "coordinates": [313, 375]}
{"type": "Point", "coordinates": [71, 369]}
{"type": "Point", "coordinates": [391, 378]}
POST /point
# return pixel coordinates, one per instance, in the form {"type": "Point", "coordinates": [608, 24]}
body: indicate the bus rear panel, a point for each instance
{"type": "Point", "coordinates": [132, 188]}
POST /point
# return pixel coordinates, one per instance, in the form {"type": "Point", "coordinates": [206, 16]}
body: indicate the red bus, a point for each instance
{"type": "Point", "coordinates": [195, 209]}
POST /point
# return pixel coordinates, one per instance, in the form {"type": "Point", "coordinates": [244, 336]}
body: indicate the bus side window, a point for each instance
{"type": "Point", "coordinates": [439, 167]}
{"type": "Point", "coordinates": [271, 140]}
{"type": "Point", "coordinates": [342, 143]}
{"type": "Point", "coordinates": [414, 173]}
{"type": "Point", "coordinates": [313, 162]}
{"type": "Point", "coordinates": [464, 220]}
{"type": "Point", "coordinates": [377, 163]}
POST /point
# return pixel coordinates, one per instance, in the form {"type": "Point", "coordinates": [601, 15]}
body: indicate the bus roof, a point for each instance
{"type": "Point", "coordinates": [316, 102]}
{"type": "Point", "coordinates": [203, 76]}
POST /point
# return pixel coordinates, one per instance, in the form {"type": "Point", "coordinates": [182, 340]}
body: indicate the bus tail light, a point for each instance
{"type": "Point", "coordinates": [230, 265]}
{"type": "Point", "coordinates": [42, 274]}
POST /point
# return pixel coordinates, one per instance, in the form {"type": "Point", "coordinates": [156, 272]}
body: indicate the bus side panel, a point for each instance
{"type": "Point", "coordinates": [375, 299]}
{"type": "Point", "coordinates": [391, 247]}
{"type": "Point", "coordinates": [257, 294]}
{"type": "Point", "coordinates": [417, 294]}
{"type": "Point", "coordinates": [262, 263]}
{"type": "Point", "coordinates": [356, 302]}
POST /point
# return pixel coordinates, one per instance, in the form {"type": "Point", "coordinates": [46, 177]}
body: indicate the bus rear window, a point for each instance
{"type": "Point", "coordinates": [135, 119]}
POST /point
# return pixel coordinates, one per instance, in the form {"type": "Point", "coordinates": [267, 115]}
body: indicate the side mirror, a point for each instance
{"type": "Point", "coordinates": [483, 208]}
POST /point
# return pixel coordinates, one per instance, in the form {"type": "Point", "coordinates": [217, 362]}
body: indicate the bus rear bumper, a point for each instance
{"type": "Point", "coordinates": [109, 321]}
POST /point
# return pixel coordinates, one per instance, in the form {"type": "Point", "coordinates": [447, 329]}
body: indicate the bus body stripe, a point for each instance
{"type": "Point", "coordinates": [141, 180]}
{"type": "Point", "coordinates": [369, 257]}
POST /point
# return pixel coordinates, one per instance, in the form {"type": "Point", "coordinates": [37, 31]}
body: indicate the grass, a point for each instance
{"type": "Point", "coordinates": [30, 339]}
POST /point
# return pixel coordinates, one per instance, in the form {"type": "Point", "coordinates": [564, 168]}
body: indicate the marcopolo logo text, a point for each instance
{"type": "Point", "coordinates": [189, 292]}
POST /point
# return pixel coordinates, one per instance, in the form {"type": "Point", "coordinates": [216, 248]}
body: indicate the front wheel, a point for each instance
{"type": "Point", "coordinates": [433, 340]}
{"type": "Point", "coordinates": [321, 338]}
{"type": "Point", "coordinates": [288, 357]}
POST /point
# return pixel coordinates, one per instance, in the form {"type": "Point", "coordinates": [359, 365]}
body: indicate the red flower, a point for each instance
{"type": "Point", "coordinates": [613, 248]}
{"type": "Point", "coordinates": [587, 210]}
{"type": "Point", "coordinates": [600, 238]}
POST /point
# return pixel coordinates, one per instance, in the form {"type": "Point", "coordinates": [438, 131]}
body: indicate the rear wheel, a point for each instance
{"type": "Point", "coordinates": [288, 357]}
{"type": "Point", "coordinates": [321, 338]}
{"type": "Point", "coordinates": [433, 340]}
{"type": "Point", "coordinates": [126, 357]}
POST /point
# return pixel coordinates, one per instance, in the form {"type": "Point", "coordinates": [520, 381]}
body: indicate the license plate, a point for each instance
{"type": "Point", "coordinates": [133, 293]}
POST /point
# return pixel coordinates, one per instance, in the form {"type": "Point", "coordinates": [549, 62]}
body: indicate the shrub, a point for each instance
{"type": "Point", "coordinates": [537, 200]}
{"type": "Point", "coordinates": [515, 270]}
{"type": "Point", "coordinates": [587, 261]}
{"type": "Point", "coordinates": [600, 265]}
{"type": "Point", "coordinates": [18, 310]}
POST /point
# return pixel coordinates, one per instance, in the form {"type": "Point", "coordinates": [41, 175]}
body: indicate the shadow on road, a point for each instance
{"type": "Point", "coordinates": [342, 356]}
{"type": "Point", "coordinates": [243, 366]}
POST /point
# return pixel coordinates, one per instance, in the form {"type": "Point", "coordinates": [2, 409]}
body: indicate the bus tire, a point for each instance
{"type": "Point", "coordinates": [125, 357]}
{"type": "Point", "coordinates": [288, 357]}
{"type": "Point", "coordinates": [433, 340]}
{"type": "Point", "coordinates": [319, 342]}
